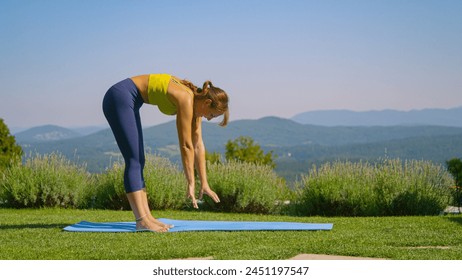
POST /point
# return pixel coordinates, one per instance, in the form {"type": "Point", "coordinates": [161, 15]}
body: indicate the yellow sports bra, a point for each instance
{"type": "Point", "coordinates": [157, 93]}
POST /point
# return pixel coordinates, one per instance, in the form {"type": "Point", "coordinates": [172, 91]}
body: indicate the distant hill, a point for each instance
{"type": "Point", "coordinates": [273, 131]}
{"type": "Point", "coordinates": [87, 130]}
{"type": "Point", "coordinates": [45, 133]}
{"type": "Point", "coordinates": [439, 117]}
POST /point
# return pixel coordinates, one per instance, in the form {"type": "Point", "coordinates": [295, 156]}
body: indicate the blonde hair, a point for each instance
{"type": "Point", "coordinates": [217, 95]}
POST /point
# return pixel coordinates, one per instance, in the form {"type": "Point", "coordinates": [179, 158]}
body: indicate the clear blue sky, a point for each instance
{"type": "Point", "coordinates": [280, 58]}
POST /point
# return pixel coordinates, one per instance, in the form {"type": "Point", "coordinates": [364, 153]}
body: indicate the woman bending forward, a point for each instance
{"type": "Point", "coordinates": [172, 96]}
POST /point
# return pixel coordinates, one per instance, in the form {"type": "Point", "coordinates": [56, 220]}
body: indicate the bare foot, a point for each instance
{"type": "Point", "coordinates": [148, 224]}
{"type": "Point", "coordinates": [156, 221]}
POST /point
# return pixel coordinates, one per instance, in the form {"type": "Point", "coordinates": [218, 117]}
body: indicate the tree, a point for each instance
{"type": "Point", "coordinates": [213, 158]}
{"type": "Point", "coordinates": [245, 149]}
{"type": "Point", "coordinates": [9, 150]}
{"type": "Point", "coordinates": [455, 168]}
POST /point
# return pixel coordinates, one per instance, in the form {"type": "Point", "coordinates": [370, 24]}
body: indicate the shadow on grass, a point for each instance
{"type": "Point", "coordinates": [457, 219]}
{"type": "Point", "coordinates": [33, 226]}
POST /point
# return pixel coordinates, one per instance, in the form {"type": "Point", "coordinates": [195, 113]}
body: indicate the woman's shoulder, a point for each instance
{"type": "Point", "coordinates": [179, 86]}
{"type": "Point", "coordinates": [179, 92]}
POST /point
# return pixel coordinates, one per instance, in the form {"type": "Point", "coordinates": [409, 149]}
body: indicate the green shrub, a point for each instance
{"type": "Point", "coordinates": [165, 183]}
{"type": "Point", "coordinates": [109, 192]}
{"type": "Point", "coordinates": [390, 187]}
{"type": "Point", "coordinates": [245, 187]}
{"type": "Point", "coordinates": [45, 181]}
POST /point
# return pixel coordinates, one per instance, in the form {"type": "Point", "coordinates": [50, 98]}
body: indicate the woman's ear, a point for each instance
{"type": "Point", "coordinates": [208, 102]}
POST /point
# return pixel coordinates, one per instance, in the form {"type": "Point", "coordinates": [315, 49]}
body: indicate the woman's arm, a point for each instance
{"type": "Point", "coordinates": [184, 103]}
{"type": "Point", "coordinates": [200, 163]}
{"type": "Point", "coordinates": [190, 140]}
{"type": "Point", "coordinates": [199, 150]}
{"type": "Point", "coordinates": [183, 123]}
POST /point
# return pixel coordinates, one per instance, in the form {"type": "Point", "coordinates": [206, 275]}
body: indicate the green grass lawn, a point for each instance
{"type": "Point", "coordinates": [37, 234]}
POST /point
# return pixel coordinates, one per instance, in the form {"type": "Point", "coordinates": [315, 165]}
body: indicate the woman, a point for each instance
{"type": "Point", "coordinates": [173, 96]}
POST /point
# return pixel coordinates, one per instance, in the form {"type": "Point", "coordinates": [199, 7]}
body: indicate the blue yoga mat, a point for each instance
{"type": "Point", "coordinates": [185, 225]}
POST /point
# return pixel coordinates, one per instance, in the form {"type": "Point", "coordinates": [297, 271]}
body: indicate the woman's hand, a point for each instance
{"type": "Point", "coordinates": [204, 190]}
{"type": "Point", "coordinates": [208, 191]}
{"type": "Point", "coordinates": [191, 194]}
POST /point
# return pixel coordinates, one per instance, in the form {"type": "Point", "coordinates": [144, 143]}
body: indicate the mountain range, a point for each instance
{"type": "Point", "coordinates": [346, 118]}
{"type": "Point", "coordinates": [45, 133]}
{"type": "Point", "coordinates": [442, 117]}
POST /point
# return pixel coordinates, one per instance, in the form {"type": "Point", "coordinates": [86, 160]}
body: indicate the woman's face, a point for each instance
{"type": "Point", "coordinates": [204, 109]}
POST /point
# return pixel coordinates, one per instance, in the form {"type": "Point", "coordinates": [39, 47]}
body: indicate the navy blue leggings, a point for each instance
{"type": "Point", "coordinates": [121, 107]}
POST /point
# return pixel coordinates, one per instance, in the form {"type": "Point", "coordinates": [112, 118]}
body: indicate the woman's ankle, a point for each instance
{"type": "Point", "coordinates": [139, 219]}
